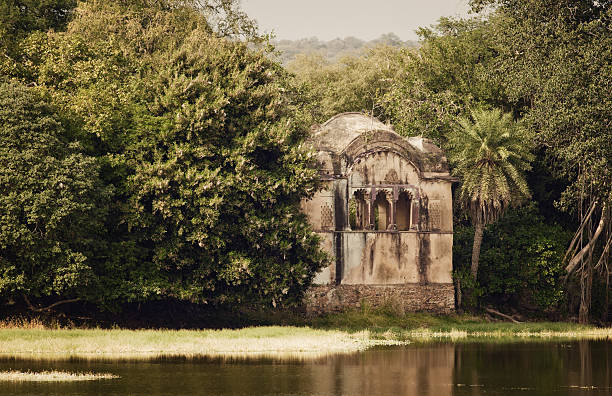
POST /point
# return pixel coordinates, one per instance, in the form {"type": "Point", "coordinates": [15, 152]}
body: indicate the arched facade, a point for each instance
{"type": "Point", "coordinates": [385, 217]}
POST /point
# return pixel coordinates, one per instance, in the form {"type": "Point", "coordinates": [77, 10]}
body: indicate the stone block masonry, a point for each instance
{"type": "Point", "coordinates": [437, 298]}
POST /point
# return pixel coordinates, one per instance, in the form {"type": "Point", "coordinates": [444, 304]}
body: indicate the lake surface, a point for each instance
{"type": "Point", "coordinates": [536, 368]}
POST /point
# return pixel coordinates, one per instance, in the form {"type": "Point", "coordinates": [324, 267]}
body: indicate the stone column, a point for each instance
{"type": "Point", "coordinates": [371, 214]}
{"type": "Point", "coordinates": [394, 196]}
{"type": "Point", "coordinates": [414, 214]}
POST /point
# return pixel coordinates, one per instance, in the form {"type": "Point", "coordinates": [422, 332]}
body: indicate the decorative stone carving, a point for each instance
{"type": "Point", "coordinates": [392, 177]}
{"type": "Point", "coordinates": [435, 219]}
{"type": "Point", "coordinates": [327, 217]}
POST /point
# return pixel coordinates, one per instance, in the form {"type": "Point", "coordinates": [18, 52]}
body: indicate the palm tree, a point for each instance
{"type": "Point", "coordinates": [491, 155]}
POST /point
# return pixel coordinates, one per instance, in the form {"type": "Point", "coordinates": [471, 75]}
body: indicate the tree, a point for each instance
{"type": "Point", "coordinates": [52, 204]}
{"type": "Point", "coordinates": [218, 176]}
{"type": "Point", "coordinates": [450, 73]}
{"type": "Point", "coordinates": [200, 137]}
{"type": "Point", "coordinates": [353, 83]}
{"type": "Point", "coordinates": [490, 154]}
{"type": "Point", "coordinates": [556, 57]}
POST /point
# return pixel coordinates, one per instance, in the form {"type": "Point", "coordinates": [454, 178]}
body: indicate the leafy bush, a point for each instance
{"type": "Point", "coordinates": [217, 183]}
{"type": "Point", "coordinates": [52, 204]}
{"type": "Point", "coordinates": [520, 260]}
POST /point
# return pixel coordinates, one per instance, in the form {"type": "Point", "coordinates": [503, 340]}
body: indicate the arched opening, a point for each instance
{"type": "Point", "coordinates": [382, 211]}
{"type": "Point", "coordinates": [359, 214]}
{"type": "Point", "coordinates": [402, 211]}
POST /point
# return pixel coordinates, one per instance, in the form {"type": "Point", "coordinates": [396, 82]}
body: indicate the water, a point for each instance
{"type": "Point", "coordinates": [557, 368]}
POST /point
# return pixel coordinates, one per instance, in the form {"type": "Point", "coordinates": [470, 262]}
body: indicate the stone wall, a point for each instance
{"type": "Point", "coordinates": [411, 297]}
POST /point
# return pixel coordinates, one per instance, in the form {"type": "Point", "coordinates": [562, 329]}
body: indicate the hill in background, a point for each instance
{"type": "Point", "coordinates": [334, 49]}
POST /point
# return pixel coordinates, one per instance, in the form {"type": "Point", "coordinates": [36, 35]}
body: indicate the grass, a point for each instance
{"type": "Point", "coordinates": [275, 341]}
{"type": "Point", "coordinates": [299, 337]}
{"type": "Point", "coordinates": [51, 376]}
{"type": "Point", "coordinates": [420, 327]}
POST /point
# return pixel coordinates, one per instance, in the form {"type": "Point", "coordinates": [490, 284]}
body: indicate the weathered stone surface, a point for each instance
{"type": "Point", "coordinates": [380, 258]}
{"type": "Point", "coordinates": [385, 213]}
{"type": "Point", "coordinates": [409, 297]}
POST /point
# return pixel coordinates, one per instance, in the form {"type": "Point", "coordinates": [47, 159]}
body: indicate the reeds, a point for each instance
{"type": "Point", "coordinates": [507, 335]}
{"type": "Point", "coordinates": [27, 323]}
{"type": "Point", "coordinates": [52, 376]}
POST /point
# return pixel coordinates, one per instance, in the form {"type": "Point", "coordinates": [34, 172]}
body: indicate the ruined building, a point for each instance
{"type": "Point", "coordinates": [385, 217]}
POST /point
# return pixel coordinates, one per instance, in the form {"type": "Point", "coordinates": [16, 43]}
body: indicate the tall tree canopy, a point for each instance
{"type": "Point", "coordinates": [491, 154]}
{"type": "Point", "coordinates": [353, 83]}
{"type": "Point", "coordinates": [565, 83]}
{"type": "Point", "coordinates": [196, 140]}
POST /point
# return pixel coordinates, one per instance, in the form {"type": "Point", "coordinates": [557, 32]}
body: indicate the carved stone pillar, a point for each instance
{"type": "Point", "coordinates": [414, 214]}
{"type": "Point", "coordinates": [392, 197]}
{"type": "Point", "coordinates": [370, 200]}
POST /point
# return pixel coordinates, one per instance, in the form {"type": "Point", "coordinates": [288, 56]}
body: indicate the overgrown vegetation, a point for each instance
{"type": "Point", "coordinates": [547, 65]}
{"type": "Point", "coordinates": [116, 344]}
{"type": "Point", "coordinates": [520, 265]}
{"type": "Point", "coordinates": [147, 156]}
{"type": "Point", "coordinates": [152, 151]}
{"type": "Point", "coordinates": [52, 376]}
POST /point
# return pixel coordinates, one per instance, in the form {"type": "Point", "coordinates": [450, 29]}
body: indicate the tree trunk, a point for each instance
{"type": "Point", "coordinates": [585, 294]}
{"type": "Point", "coordinates": [586, 287]}
{"type": "Point", "coordinates": [478, 230]}
{"type": "Point", "coordinates": [458, 293]}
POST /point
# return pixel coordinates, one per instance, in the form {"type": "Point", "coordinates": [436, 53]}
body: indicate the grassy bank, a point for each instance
{"type": "Point", "coordinates": [298, 338]}
{"type": "Point", "coordinates": [421, 327]}
{"type": "Point", "coordinates": [136, 344]}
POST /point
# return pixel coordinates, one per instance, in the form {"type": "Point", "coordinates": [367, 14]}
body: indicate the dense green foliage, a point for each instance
{"type": "Point", "coordinates": [350, 84]}
{"type": "Point", "coordinates": [451, 74]}
{"type": "Point", "coordinates": [52, 203]}
{"type": "Point", "coordinates": [563, 82]}
{"type": "Point", "coordinates": [18, 18]}
{"type": "Point", "coordinates": [177, 155]}
{"type": "Point", "coordinates": [152, 149]}
{"type": "Point", "coordinates": [521, 260]}
{"type": "Point", "coordinates": [217, 184]}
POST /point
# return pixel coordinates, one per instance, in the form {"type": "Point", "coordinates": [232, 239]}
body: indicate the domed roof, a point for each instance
{"type": "Point", "coordinates": [340, 130]}
{"type": "Point", "coordinates": [344, 135]}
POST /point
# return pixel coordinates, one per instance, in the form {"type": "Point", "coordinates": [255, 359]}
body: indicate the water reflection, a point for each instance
{"type": "Point", "coordinates": [573, 368]}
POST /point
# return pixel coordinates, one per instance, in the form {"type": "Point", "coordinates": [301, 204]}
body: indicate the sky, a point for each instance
{"type": "Point", "coordinates": [364, 19]}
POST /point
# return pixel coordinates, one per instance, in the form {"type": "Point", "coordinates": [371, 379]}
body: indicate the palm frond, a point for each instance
{"type": "Point", "coordinates": [491, 153]}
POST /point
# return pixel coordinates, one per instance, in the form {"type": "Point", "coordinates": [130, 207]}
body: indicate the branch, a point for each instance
{"type": "Point", "coordinates": [492, 311]}
{"type": "Point", "coordinates": [585, 220]}
{"type": "Point", "coordinates": [47, 309]}
{"type": "Point", "coordinates": [605, 252]}
{"type": "Point", "coordinates": [576, 259]}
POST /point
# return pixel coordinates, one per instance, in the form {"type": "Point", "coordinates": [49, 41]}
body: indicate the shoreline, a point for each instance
{"type": "Point", "coordinates": [53, 344]}
{"type": "Point", "coordinates": [283, 342]}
